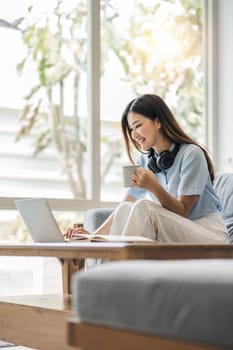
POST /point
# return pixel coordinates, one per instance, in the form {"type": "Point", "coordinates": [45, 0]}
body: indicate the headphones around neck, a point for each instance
{"type": "Point", "coordinates": [162, 161]}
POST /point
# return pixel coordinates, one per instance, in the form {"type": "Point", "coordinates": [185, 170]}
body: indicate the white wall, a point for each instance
{"type": "Point", "coordinates": [224, 85]}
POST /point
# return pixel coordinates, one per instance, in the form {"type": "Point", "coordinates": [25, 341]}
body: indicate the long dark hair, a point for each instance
{"type": "Point", "coordinates": [153, 107]}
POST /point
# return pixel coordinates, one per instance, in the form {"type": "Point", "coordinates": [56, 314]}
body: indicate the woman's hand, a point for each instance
{"type": "Point", "coordinates": [71, 233]}
{"type": "Point", "coordinates": [144, 178]}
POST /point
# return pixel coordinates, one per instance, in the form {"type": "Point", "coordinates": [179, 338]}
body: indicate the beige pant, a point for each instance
{"type": "Point", "coordinates": [146, 218]}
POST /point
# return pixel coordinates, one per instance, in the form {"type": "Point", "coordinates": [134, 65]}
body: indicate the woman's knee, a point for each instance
{"type": "Point", "coordinates": [123, 206]}
{"type": "Point", "coordinates": [145, 204]}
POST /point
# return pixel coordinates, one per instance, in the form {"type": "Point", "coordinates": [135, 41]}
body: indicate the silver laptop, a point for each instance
{"type": "Point", "coordinates": [39, 220]}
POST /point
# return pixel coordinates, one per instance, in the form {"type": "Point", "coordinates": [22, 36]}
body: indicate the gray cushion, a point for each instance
{"type": "Point", "coordinates": [93, 218]}
{"type": "Point", "coordinates": [185, 299]}
{"type": "Point", "coordinates": [224, 188]}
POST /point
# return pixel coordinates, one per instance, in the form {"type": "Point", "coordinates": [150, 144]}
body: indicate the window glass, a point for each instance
{"type": "Point", "coordinates": [43, 102]}
{"type": "Point", "coordinates": [148, 47]}
{"type": "Point", "coordinates": [29, 275]}
{"type": "Point", "coordinates": [13, 229]}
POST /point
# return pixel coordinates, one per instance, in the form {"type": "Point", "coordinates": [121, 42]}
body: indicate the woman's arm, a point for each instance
{"type": "Point", "coordinates": [182, 206]}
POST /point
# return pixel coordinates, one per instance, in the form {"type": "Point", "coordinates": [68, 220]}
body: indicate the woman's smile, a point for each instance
{"type": "Point", "coordinates": [140, 141]}
{"type": "Point", "coordinates": [143, 130]}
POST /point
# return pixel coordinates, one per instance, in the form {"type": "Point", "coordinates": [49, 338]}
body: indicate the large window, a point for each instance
{"type": "Point", "coordinates": [145, 46]}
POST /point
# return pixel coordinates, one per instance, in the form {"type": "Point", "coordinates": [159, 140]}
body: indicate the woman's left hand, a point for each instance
{"type": "Point", "coordinates": [144, 178]}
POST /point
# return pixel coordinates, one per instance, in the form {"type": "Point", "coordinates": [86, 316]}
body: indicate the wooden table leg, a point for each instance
{"type": "Point", "coordinates": [70, 266]}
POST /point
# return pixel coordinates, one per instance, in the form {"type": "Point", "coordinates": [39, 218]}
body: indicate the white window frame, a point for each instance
{"type": "Point", "coordinates": [210, 76]}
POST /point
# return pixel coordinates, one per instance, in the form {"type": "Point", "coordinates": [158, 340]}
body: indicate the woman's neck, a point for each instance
{"type": "Point", "coordinates": [164, 145]}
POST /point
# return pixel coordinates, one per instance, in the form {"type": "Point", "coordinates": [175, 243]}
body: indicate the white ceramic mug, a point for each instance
{"type": "Point", "coordinates": [128, 171]}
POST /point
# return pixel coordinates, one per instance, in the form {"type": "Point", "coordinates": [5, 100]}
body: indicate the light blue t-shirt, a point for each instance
{"type": "Point", "coordinates": [187, 176]}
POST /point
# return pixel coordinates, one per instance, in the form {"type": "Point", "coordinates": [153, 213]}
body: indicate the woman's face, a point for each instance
{"type": "Point", "coordinates": [144, 131]}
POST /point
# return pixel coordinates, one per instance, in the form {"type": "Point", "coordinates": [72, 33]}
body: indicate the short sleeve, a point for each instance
{"type": "Point", "coordinates": [193, 173]}
{"type": "Point", "coordinates": [136, 192]}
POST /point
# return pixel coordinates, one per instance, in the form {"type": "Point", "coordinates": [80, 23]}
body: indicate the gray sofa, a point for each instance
{"type": "Point", "coordinates": [223, 185]}
{"type": "Point", "coordinates": [156, 304]}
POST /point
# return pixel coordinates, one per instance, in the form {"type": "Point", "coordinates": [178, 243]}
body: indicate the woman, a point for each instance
{"type": "Point", "coordinates": [175, 171]}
